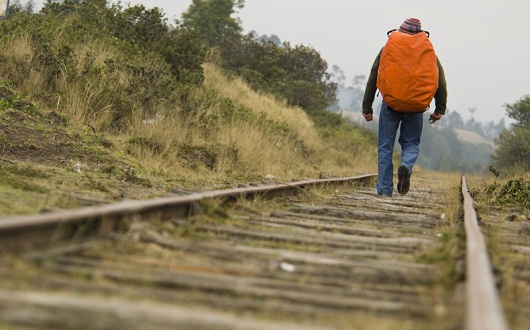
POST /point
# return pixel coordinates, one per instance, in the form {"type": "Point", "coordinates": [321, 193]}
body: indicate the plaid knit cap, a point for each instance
{"type": "Point", "coordinates": [411, 25]}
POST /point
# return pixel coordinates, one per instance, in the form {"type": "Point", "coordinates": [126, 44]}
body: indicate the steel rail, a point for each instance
{"type": "Point", "coordinates": [483, 308]}
{"type": "Point", "coordinates": [38, 231]}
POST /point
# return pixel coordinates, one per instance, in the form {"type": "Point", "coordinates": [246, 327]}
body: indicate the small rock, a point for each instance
{"type": "Point", "coordinates": [77, 167]}
{"type": "Point", "coordinates": [269, 177]}
{"type": "Point", "coordinates": [287, 267]}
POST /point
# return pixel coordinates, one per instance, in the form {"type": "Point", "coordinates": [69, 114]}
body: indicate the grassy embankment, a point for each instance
{"type": "Point", "coordinates": [62, 146]}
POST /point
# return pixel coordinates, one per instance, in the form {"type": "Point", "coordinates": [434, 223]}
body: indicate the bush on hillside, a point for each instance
{"type": "Point", "coordinates": [100, 66]}
{"type": "Point", "coordinates": [296, 74]}
{"type": "Point", "coordinates": [213, 20]}
{"type": "Point", "coordinates": [120, 58]}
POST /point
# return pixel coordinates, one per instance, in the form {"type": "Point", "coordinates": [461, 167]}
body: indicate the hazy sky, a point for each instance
{"type": "Point", "coordinates": [484, 45]}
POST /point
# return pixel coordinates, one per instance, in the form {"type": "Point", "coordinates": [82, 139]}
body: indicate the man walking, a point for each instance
{"type": "Point", "coordinates": [409, 75]}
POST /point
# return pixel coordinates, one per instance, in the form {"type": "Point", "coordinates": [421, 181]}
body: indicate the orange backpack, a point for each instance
{"type": "Point", "coordinates": [408, 72]}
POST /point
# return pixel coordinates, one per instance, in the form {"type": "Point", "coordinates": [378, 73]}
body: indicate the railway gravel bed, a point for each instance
{"type": "Point", "coordinates": [333, 258]}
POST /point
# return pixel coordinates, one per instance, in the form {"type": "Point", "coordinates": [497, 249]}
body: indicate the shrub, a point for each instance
{"type": "Point", "coordinates": [296, 74]}
{"type": "Point", "coordinates": [515, 192]}
{"type": "Point", "coordinates": [104, 60]}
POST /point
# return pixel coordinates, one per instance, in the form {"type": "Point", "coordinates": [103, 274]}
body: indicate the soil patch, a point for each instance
{"type": "Point", "coordinates": [79, 165]}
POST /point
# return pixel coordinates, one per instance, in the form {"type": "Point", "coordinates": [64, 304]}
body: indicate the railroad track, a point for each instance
{"type": "Point", "coordinates": [321, 254]}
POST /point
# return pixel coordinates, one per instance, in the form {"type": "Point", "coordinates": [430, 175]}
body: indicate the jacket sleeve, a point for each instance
{"type": "Point", "coordinates": [440, 97]}
{"type": "Point", "coordinates": [371, 86]}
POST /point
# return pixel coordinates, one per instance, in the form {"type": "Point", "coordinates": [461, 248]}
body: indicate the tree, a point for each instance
{"type": "Point", "coordinates": [453, 119]}
{"type": "Point", "coordinates": [265, 38]}
{"type": "Point", "coordinates": [16, 7]}
{"type": "Point", "coordinates": [310, 85]}
{"type": "Point", "coordinates": [343, 93]}
{"type": "Point", "coordinates": [60, 6]}
{"type": "Point", "coordinates": [137, 28]}
{"type": "Point", "coordinates": [141, 26]}
{"type": "Point", "coordinates": [29, 7]}
{"type": "Point", "coordinates": [520, 112]}
{"type": "Point", "coordinates": [213, 20]}
{"type": "Point", "coordinates": [297, 74]}
{"type": "Point", "coordinates": [513, 148]}
{"type": "Point", "coordinates": [493, 130]}
{"type": "Point", "coordinates": [474, 126]}
{"type": "Point", "coordinates": [357, 91]}
{"type": "Point", "coordinates": [337, 75]}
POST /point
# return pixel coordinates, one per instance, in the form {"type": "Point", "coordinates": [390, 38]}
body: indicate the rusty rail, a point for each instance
{"type": "Point", "coordinates": [483, 308]}
{"type": "Point", "coordinates": [22, 233]}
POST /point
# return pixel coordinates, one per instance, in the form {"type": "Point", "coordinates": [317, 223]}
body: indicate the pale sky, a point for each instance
{"type": "Point", "coordinates": [483, 44]}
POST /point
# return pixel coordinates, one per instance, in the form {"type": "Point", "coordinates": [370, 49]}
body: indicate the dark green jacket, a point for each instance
{"type": "Point", "coordinates": [440, 97]}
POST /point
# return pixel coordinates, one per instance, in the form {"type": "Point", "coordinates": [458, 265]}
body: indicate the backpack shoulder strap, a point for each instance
{"type": "Point", "coordinates": [393, 30]}
{"type": "Point", "coordinates": [388, 33]}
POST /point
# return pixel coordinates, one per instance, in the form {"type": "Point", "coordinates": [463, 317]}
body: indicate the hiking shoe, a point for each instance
{"type": "Point", "coordinates": [403, 180]}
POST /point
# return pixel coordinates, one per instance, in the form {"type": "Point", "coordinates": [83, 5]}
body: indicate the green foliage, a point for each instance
{"type": "Point", "coordinates": [60, 7]}
{"type": "Point", "coordinates": [212, 19]}
{"type": "Point", "coordinates": [520, 112]}
{"type": "Point", "coordinates": [348, 137]}
{"type": "Point", "coordinates": [27, 171]}
{"type": "Point", "coordinates": [16, 178]}
{"type": "Point", "coordinates": [230, 111]}
{"type": "Point", "coordinates": [185, 52]}
{"type": "Point", "coordinates": [140, 26]}
{"type": "Point", "coordinates": [147, 143]}
{"type": "Point", "coordinates": [513, 148]}
{"type": "Point", "coordinates": [323, 119]}
{"type": "Point", "coordinates": [233, 113]}
{"type": "Point", "coordinates": [9, 100]}
{"type": "Point", "coordinates": [295, 74]}
{"type": "Point", "coordinates": [16, 7]}
{"type": "Point", "coordinates": [106, 67]}
{"type": "Point", "coordinates": [162, 63]}
{"type": "Point", "coordinates": [195, 157]}
{"type": "Point", "coordinates": [515, 192]}
{"type": "Point", "coordinates": [214, 211]}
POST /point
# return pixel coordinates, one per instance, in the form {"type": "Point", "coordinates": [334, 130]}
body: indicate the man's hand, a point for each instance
{"type": "Point", "coordinates": [434, 117]}
{"type": "Point", "coordinates": [368, 116]}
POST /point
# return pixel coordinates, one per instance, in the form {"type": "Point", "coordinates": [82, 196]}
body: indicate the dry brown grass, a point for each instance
{"type": "Point", "coordinates": [238, 91]}
{"type": "Point", "coordinates": [257, 153]}
{"type": "Point", "coordinates": [299, 152]}
{"type": "Point", "coordinates": [18, 54]}
{"type": "Point", "coordinates": [280, 141]}
{"type": "Point", "coordinates": [280, 158]}
{"type": "Point", "coordinates": [449, 187]}
{"type": "Point", "coordinates": [83, 100]}
{"type": "Point", "coordinates": [78, 103]}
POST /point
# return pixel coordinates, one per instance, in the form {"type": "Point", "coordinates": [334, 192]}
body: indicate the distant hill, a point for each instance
{"type": "Point", "coordinates": [469, 136]}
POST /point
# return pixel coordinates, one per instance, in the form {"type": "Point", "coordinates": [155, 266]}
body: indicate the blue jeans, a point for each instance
{"type": "Point", "coordinates": [409, 139]}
